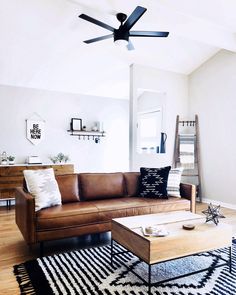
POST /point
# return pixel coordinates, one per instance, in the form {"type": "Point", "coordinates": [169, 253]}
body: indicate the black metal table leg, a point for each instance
{"type": "Point", "coordinates": [149, 278]}
{"type": "Point", "coordinates": [111, 252]}
{"type": "Point", "coordinates": [230, 259]}
{"type": "Point", "coordinates": [150, 284]}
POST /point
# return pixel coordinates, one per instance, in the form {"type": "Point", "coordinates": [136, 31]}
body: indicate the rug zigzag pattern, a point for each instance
{"type": "Point", "coordinates": [88, 271]}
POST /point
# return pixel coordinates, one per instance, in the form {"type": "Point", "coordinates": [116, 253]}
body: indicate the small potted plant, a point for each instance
{"type": "Point", "coordinates": [11, 160]}
{"type": "Point", "coordinates": [60, 158]}
{"type": "Point", "coordinates": [53, 159]}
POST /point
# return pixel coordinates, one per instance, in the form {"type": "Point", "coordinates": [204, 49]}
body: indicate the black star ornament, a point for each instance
{"type": "Point", "coordinates": [213, 214]}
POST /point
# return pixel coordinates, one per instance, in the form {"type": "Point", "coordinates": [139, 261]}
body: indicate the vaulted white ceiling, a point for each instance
{"type": "Point", "coordinates": [41, 41]}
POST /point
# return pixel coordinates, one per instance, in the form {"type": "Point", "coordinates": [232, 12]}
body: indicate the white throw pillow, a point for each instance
{"type": "Point", "coordinates": [43, 186]}
{"type": "Point", "coordinates": [173, 183]}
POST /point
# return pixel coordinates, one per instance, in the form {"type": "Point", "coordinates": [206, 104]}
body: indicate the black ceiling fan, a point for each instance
{"type": "Point", "coordinates": [122, 34]}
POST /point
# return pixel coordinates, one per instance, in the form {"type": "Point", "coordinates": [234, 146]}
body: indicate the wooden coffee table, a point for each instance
{"type": "Point", "coordinates": [127, 232]}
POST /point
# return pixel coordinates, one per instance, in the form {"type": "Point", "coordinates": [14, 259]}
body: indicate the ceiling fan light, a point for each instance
{"type": "Point", "coordinates": [121, 42]}
{"type": "Point", "coordinates": [121, 37]}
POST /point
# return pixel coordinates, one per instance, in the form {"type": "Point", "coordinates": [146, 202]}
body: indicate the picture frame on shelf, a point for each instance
{"type": "Point", "coordinates": [76, 124]}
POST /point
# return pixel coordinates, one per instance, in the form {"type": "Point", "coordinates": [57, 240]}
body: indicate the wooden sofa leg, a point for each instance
{"type": "Point", "coordinates": [41, 249]}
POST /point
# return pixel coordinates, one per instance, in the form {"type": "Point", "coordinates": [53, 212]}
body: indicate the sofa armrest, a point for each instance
{"type": "Point", "coordinates": [25, 215]}
{"type": "Point", "coordinates": [188, 191]}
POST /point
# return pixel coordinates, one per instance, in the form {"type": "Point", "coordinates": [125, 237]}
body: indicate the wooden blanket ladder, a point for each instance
{"type": "Point", "coordinates": [187, 133]}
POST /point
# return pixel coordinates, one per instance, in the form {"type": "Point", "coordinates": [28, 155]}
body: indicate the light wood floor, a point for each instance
{"type": "Point", "coordinates": [13, 249]}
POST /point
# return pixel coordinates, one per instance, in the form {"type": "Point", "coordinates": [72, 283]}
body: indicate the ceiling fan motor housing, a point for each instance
{"type": "Point", "coordinates": [121, 17]}
{"type": "Point", "coordinates": [121, 34]}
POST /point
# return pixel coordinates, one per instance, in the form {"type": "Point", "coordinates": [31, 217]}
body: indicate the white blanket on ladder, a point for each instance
{"type": "Point", "coordinates": [186, 150]}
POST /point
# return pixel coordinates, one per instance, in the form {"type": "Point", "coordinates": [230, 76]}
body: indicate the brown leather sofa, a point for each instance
{"type": "Point", "coordinates": [89, 202]}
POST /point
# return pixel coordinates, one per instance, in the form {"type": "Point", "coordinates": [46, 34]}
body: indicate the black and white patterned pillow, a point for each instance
{"type": "Point", "coordinates": [173, 183]}
{"type": "Point", "coordinates": [153, 182]}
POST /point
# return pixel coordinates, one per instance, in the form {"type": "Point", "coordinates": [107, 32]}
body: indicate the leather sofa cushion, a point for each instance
{"type": "Point", "coordinates": [132, 183]}
{"type": "Point", "coordinates": [67, 215]}
{"type": "Point", "coordinates": [130, 206]}
{"type": "Point", "coordinates": [167, 205]}
{"type": "Point", "coordinates": [94, 186]}
{"type": "Point", "coordinates": [68, 186]}
{"type": "Point", "coordinates": [92, 213]}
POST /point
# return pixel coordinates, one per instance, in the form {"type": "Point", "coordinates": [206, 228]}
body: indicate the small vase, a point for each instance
{"type": "Point", "coordinates": [163, 142]}
{"type": "Point", "coordinates": [11, 162]}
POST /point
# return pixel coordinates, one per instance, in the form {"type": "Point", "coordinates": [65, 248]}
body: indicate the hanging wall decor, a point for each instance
{"type": "Point", "coordinates": [35, 129]}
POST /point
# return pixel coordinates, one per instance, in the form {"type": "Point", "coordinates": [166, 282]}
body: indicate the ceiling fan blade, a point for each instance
{"type": "Point", "coordinates": [98, 39]}
{"type": "Point", "coordinates": [130, 46]}
{"type": "Point", "coordinates": [134, 17]}
{"type": "Point", "coordinates": [148, 34]}
{"type": "Point", "coordinates": [96, 22]}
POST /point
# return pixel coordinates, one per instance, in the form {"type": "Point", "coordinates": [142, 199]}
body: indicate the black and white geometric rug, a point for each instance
{"type": "Point", "coordinates": [88, 271]}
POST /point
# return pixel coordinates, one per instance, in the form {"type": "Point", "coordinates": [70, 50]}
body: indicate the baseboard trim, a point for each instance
{"type": "Point", "coordinates": [222, 204]}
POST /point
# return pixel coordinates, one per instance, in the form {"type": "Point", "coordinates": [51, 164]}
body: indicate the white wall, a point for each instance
{"type": "Point", "coordinates": [175, 88]}
{"type": "Point", "coordinates": [57, 108]}
{"type": "Point", "coordinates": [212, 92]}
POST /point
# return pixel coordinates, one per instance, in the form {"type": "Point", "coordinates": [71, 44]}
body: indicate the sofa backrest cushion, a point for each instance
{"type": "Point", "coordinates": [132, 183]}
{"type": "Point", "coordinates": [68, 186]}
{"type": "Point", "coordinates": [94, 186]}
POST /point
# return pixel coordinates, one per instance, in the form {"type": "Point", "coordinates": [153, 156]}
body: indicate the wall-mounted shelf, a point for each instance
{"type": "Point", "coordinates": [94, 135]}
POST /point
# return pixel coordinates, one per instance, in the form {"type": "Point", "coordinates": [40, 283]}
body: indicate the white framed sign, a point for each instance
{"type": "Point", "coordinates": [35, 130]}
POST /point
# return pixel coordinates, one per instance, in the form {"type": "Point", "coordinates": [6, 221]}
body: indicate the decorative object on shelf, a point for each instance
{"type": "Point", "coordinates": [60, 158]}
{"type": "Point", "coordinates": [33, 160]}
{"type": "Point", "coordinates": [4, 158]}
{"type": "Point", "coordinates": [95, 134]}
{"type": "Point", "coordinates": [76, 124]}
{"type": "Point", "coordinates": [95, 127]}
{"type": "Point", "coordinates": [152, 150]}
{"type": "Point", "coordinates": [99, 126]}
{"type": "Point", "coordinates": [213, 213]}
{"type": "Point", "coordinates": [11, 160]}
{"type": "Point", "coordinates": [163, 143]}
{"type": "Point", "coordinates": [144, 150]}
{"type": "Point", "coordinates": [35, 129]}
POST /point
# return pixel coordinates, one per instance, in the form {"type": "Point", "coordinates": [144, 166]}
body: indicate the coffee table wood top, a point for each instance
{"type": "Point", "coordinates": [128, 232]}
